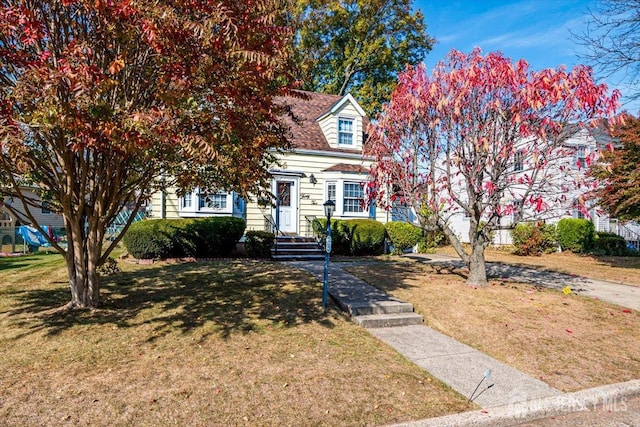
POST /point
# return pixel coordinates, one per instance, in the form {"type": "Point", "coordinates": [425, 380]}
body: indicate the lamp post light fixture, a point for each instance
{"type": "Point", "coordinates": [329, 206]}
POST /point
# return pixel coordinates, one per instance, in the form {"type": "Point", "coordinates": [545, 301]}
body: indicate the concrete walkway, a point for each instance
{"type": "Point", "coordinates": [508, 396]}
{"type": "Point", "coordinates": [616, 293]}
{"type": "Point", "coordinates": [456, 364]}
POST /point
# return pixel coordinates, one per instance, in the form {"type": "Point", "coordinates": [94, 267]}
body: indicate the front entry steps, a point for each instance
{"type": "Point", "coordinates": [296, 248]}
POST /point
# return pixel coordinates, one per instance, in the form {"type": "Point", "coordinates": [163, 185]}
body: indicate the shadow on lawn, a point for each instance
{"type": "Point", "coordinates": [510, 273]}
{"type": "Point", "coordinates": [224, 296]}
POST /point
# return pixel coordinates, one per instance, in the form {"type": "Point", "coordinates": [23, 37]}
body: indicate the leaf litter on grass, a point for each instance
{"type": "Point", "coordinates": [212, 343]}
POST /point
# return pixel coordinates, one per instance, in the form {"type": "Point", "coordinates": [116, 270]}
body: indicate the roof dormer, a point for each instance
{"type": "Point", "coordinates": [343, 124]}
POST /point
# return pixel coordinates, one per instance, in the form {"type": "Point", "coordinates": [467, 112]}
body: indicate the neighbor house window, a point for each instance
{"type": "Point", "coordinates": [581, 156]}
{"type": "Point", "coordinates": [46, 209]}
{"type": "Point", "coordinates": [213, 201]}
{"type": "Point", "coordinates": [518, 161]}
{"type": "Point", "coordinates": [345, 131]}
{"type": "Point", "coordinates": [518, 206]}
{"type": "Point", "coordinates": [353, 197]}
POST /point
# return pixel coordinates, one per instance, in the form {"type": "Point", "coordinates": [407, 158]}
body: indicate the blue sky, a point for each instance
{"type": "Point", "coordinates": [536, 30]}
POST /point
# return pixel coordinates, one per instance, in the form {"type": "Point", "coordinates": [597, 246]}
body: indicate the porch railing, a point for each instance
{"type": "Point", "coordinates": [310, 223]}
{"type": "Point", "coordinates": [629, 234]}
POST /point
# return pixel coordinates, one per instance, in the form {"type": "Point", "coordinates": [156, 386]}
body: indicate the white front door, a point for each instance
{"type": "Point", "coordinates": [287, 207]}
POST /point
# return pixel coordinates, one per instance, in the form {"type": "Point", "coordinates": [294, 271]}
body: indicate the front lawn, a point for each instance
{"type": "Point", "coordinates": [614, 269]}
{"type": "Point", "coordinates": [211, 343]}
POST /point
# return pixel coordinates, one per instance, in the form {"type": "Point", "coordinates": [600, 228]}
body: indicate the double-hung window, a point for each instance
{"type": "Point", "coordinates": [187, 201]}
{"type": "Point", "coordinates": [345, 131]}
{"type": "Point", "coordinates": [518, 161]}
{"type": "Point", "coordinates": [353, 197]}
{"type": "Point", "coordinates": [581, 156]}
{"type": "Point", "coordinates": [331, 191]}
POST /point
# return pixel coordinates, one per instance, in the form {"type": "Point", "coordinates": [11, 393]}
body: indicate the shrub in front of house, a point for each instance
{"type": "Point", "coordinates": [403, 235]}
{"type": "Point", "coordinates": [353, 236]}
{"type": "Point", "coordinates": [430, 241]}
{"type": "Point", "coordinates": [340, 237]}
{"type": "Point", "coordinates": [175, 238]}
{"type": "Point", "coordinates": [575, 234]}
{"type": "Point", "coordinates": [159, 238]}
{"type": "Point", "coordinates": [533, 238]}
{"type": "Point", "coordinates": [216, 236]}
{"type": "Point", "coordinates": [258, 243]}
{"type": "Point", "coordinates": [366, 236]}
{"type": "Point", "coordinates": [610, 244]}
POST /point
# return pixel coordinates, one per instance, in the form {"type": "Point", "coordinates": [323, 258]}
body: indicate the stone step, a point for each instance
{"type": "Point", "coordinates": [297, 257]}
{"type": "Point", "coordinates": [379, 307]}
{"type": "Point", "coordinates": [294, 251]}
{"type": "Point", "coordinates": [388, 320]}
{"type": "Point", "coordinates": [297, 246]}
{"type": "Point", "coordinates": [295, 239]}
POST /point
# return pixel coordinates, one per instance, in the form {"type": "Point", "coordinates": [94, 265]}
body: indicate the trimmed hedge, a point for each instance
{"type": "Point", "coordinates": [158, 238]}
{"type": "Point", "coordinates": [353, 236]}
{"type": "Point", "coordinates": [367, 236]}
{"type": "Point", "coordinates": [340, 243]}
{"type": "Point", "coordinates": [575, 234]}
{"type": "Point", "coordinates": [403, 235]}
{"type": "Point", "coordinates": [216, 236]}
{"type": "Point", "coordinates": [258, 243]}
{"type": "Point", "coordinates": [175, 238]}
{"type": "Point", "coordinates": [610, 244]}
{"type": "Point", "coordinates": [534, 239]}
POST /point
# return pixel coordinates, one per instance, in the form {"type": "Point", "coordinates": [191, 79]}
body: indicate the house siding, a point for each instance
{"type": "Point", "coordinates": [43, 219]}
{"type": "Point", "coordinates": [329, 126]}
{"type": "Point", "coordinates": [315, 151]}
{"type": "Point", "coordinates": [311, 197]}
{"type": "Point", "coordinates": [558, 210]}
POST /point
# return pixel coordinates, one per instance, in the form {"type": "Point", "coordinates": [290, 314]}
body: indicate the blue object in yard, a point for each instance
{"type": "Point", "coordinates": [32, 237]}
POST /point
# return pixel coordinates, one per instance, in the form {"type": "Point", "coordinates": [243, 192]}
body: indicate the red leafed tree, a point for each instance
{"type": "Point", "coordinates": [102, 101]}
{"type": "Point", "coordinates": [619, 170]}
{"type": "Point", "coordinates": [482, 136]}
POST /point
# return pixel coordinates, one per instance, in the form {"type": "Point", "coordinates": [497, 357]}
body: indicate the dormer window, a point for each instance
{"type": "Point", "coordinates": [345, 131]}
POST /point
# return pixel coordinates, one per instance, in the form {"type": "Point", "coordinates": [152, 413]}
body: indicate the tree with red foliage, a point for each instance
{"type": "Point", "coordinates": [103, 102]}
{"type": "Point", "coordinates": [483, 137]}
{"type": "Point", "coordinates": [619, 170]}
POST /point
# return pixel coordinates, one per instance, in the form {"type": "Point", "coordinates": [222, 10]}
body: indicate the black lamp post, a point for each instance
{"type": "Point", "coordinates": [329, 206]}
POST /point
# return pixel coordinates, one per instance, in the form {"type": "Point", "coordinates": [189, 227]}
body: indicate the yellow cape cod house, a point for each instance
{"type": "Point", "coordinates": [325, 163]}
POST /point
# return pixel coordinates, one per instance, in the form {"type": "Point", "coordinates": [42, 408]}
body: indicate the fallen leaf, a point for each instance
{"type": "Point", "coordinates": [569, 330]}
{"type": "Point", "coordinates": [626, 310]}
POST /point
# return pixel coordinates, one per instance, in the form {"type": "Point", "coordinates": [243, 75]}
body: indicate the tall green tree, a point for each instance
{"type": "Point", "coordinates": [358, 46]}
{"type": "Point", "coordinates": [104, 101]}
{"type": "Point", "coordinates": [619, 169]}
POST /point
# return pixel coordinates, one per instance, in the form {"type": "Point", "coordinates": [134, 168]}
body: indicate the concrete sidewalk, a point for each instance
{"type": "Point", "coordinates": [508, 396]}
{"type": "Point", "coordinates": [623, 295]}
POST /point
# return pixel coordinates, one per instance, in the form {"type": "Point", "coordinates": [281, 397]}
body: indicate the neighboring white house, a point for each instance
{"type": "Point", "coordinates": [326, 162]}
{"type": "Point", "coordinates": [582, 144]}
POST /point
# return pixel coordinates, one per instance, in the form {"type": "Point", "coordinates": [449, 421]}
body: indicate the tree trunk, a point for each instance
{"type": "Point", "coordinates": [82, 258]}
{"type": "Point", "coordinates": [474, 260]}
{"type": "Point", "coordinates": [477, 265]}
